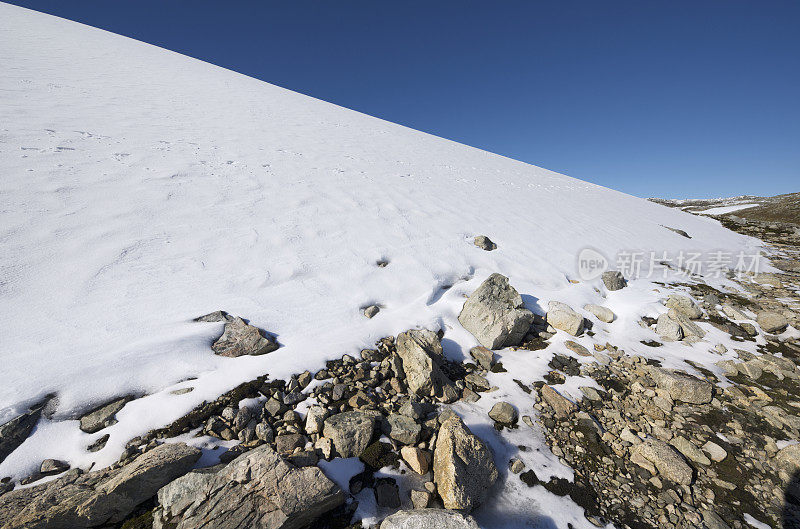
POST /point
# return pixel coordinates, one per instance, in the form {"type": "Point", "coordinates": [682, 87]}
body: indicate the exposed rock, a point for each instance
{"type": "Point", "coordinates": [351, 432]}
{"type": "Point", "coordinates": [315, 419]}
{"type": "Point", "coordinates": [577, 348]}
{"type": "Point", "coordinates": [53, 466]}
{"type": "Point", "coordinates": [504, 413]}
{"type": "Point", "coordinates": [495, 314]}
{"type": "Point", "coordinates": [101, 417]}
{"type": "Point", "coordinates": [682, 387]}
{"type": "Point", "coordinates": [215, 317]}
{"type": "Point", "coordinates": [401, 428]}
{"type": "Point", "coordinates": [516, 465]}
{"type": "Point", "coordinates": [733, 312]}
{"type": "Point", "coordinates": [613, 280]}
{"type": "Point", "coordinates": [420, 499]}
{"type": "Point", "coordinates": [483, 357]}
{"type": "Point", "coordinates": [561, 406]}
{"type": "Point", "coordinates": [258, 490]}
{"type": "Point", "coordinates": [685, 305]}
{"type": "Point", "coordinates": [603, 314]}
{"type": "Point", "coordinates": [772, 322]}
{"type": "Point", "coordinates": [561, 316]}
{"type": "Point", "coordinates": [421, 355]}
{"type": "Point", "coordinates": [668, 329]}
{"type": "Point", "coordinates": [715, 451]}
{"type": "Point", "coordinates": [78, 500]}
{"type": "Point", "coordinates": [387, 493]}
{"type": "Point", "coordinates": [15, 431]}
{"type": "Point", "coordinates": [463, 467]}
{"type": "Point", "coordinates": [668, 462]}
{"type": "Point", "coordinates": [240, 338]}
{"type": "Point", "coordinates": [371, 311]}
{"type": "Point", "coordinates": [417, 459]}
{"type": "Point", "coordinates": [688, 327]}
{"type": "Point", "coordinates": [689, 451]}
{"type": "Point", "coordinates": [484, 243]}
{"type": "Point", "coordinates": [287, 443]}
{"type": "Point", "coordinates": [429, 519]}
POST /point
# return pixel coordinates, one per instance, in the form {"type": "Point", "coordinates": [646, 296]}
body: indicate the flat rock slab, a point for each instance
{"type": "Point", "coordinates": [78, 500]}
{"type": "Point", "coordinates": [14, 432]}
{"type": "Point", "coordinates": [429, 519]}
{"type": "Point", "coordinates": [683, 387]}
{"type": "Point", "coordinates": [240, 338]}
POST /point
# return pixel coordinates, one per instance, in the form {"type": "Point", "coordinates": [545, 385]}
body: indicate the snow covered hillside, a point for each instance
{"type": "Point", "coordinates": [140, 189]}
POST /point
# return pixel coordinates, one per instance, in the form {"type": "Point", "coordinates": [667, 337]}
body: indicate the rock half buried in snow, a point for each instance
{"type": "Point", "coordinates": [685, 305]}
{"type": "Point", "coordinates": [668, 329]}
{"type": "Point", "coordinates": [258, 490]}
{"type": "Point", "coordinates": [420, 353]}
{"type": "Point", "coordinates": [429, 519]}
{"type": "Point", "coordinates": [561, 316]}
{"type": "Point", "coordinates": [240, 338]}
{"type": "Point", "coordinates": [603, 314]}
{"type": "Point", "coordinates": [495, 314]}
{"type": "Point", "coordinates": [15, 431]}
{"type": "Point", "coordinates": [613, 280]}
{"type": "Point", "coordinates": [485, 243]}
{"type": "Point", "coordinates": [103, 416]}
{"type": "Point", "coordinates": [78, 500]}
{"type": "Point", "coordinates": [463, 468]}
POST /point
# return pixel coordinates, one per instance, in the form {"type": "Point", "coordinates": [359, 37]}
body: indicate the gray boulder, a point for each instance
{"type": "Point", "coordinates": [689, 328]}
{"type": "Point", "coordinates": [463, 467]}
{"type": "Point", "coordinates": [420, 354]}
{"type": "Point", "coordinates": [258, 490]}
{"type": "Point", "coordinates": [78, 500]}
{"type": "Point", "coordinates": [240, 338]}
{"type": "Point", "coordinates": [351, 432]}
{"type": "Point", "coordinates": [484, 243]}
{"type": "Point", "coordinates": [666, 459]}
{"type": "Point", "coordinates": [504, 413]}
{"type": "Point", "coordinates": [483, 357]}
{"type": "Point", "coordinates": [495, 314]}
{"type": "Point", "coordinates": [613, 280]}
{"type": "Point", "coordinates": [668, 329]}
{"type": "Point", "coordinates": [429, 519]}
{"type": "Point", "coordinates": [103, 416]}
{"type": "Point", "coordinates": [682, 387]}
{"type": "Point", "coordinates": [603, 314]}
{"type": "Point", "coordinates": [685, 305]}
{"type": "Point", "coordinates": [15, 431]}
{"type": "Point", "coordinates": [401, 428]}
{"type": "Point", "coordinates": [561, 316]}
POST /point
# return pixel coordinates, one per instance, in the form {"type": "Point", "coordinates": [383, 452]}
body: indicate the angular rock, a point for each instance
{"type": "Point", "coordinates": [668, 329]}
{"type": "Point", "coordinates": [15, 431]}
{"type": "Point", "coordinates": [315, 419]}
{"type": "Point", "coordinates": [689, 450]}
{"type": "Point", "coordinates": [577, 348]}
{"type": "Point", "coordinates": [484, 243]}
{"type": "Point", "coordinates": [561, 406]}
{"type": "Point", "coordinates": [561, 316]}
{"type": "Point", "coordinates": [78, 500]}
{"type": "Point", "coordinates": [258, 490]}
{"type": "Point", "coordinates": [53, 466]}
{"type": "Point", "coordinates": [495, 314]}
{"type": "Point", "coordinates": [351, 432]}
{"type": "Point", "coordinates": [401, 428]}
{"type": "Point", "coordinates": [386, 493]}
{"type": "Point", "coordinates": [483, 357]}
{"type": "Point", "coordinates": [772, 322]}
{"type": "Point", "coordinates": [429, 519]}
{"type": "Point", "coordinates": [420, 352]}
{"type": "Point", "coordinates": [688, 327]}
{"type": "Point", "coordinates": [613, 280]}
{"type": "Point", "coordinates": [683, 387]}
{"type": "Point", "coordinates": [463, 468]}
{"type": "Point", "coordinates": [420, 499]}
{"type": "Point", "coordinates": [685, 305]}
{"type": "Point", "coordinates": [504, 413]}
{"type": "Point", "coordinates": [734, 313]}
{"type": "Point", "coordinates": [603, 314]}
{"type": "Point", "coordinates": [215, 317]}
{"type": "Point", "coordinates": [417, 459]}
{"type": "Point", "coordinates": [240, 338]}
{"type": "Point", "coordinates": [668, 462]}
{"type": "Point", "coordinates": [371, 311]}
{"type": "Point", "coordinates": [715, 451]}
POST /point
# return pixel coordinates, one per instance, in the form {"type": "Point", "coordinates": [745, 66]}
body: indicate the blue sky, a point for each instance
{"type": "Point", "coordinates": [655, 98]}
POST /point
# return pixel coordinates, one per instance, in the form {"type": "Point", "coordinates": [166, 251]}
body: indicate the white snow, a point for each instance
{"type": "Point", "coordinates": [141, 188]}
{"type": "Point", "coordinates": [721, 210]}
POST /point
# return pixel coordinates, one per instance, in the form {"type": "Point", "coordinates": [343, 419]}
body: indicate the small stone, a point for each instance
{"type": "Point", "coordinates": [495, 314]}
{"type": "Point", "coordinates": [387, 493]}
{"type": "Point", "coordinates": [371, 311]}
{"type": "Point", "coordinates": [689, 450]}
{"type": "Point", "coordinates": [401, 428]}
{"type": "Point", "coordinates": [577, 348]}
{"type": "Point", "coordinates": [668, 329]}
{"type": "Point", "coordinates": [240, 338]}
{"type": "Point", "coordinates": [715, 451]}
{"type": "Point", "coordinates": [516, 465]}
{"type": "Point", "coordinates": [561, 406]}
{"type": "Point", "coordinates": [417, 459]}
{"type": "Point", "coordinates": [682, 387]}
{"type": "Point", "coordinates": [668, 462]}
{"type": "Point", "coordinates": [685, 305]}
{"type": "Point", "coordinates": [429, 519]}
{"type": "Point", "coordinates": [504, 413]}
{"type": "Point", "coordinates": [420, 499]}
{"type": "Point", "coordinates": [613, 280]}
{"type": "Point", "coordinates": [483, 357]}
{"type": "Point", "coordinates": [351, 432]}
{"type": "Point", "coordinates": [101, 417]}
{"type": "Point", "coordinates": [601, 313]}
{"type": "Point", "coordinates": [484, 243]}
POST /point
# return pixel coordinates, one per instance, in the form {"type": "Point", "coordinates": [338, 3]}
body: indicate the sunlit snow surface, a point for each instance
{"type": "Point", "coordinates": [721, 210]}
{"type": "Point", "coordinates": [141, 188]}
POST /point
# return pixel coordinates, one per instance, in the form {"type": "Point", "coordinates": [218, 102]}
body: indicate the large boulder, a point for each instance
{"type": "Point", "coordinates": [495, 314]}
{"type": "Point", "coordinates": [351, 432]}
{"type": "Point", "coordinates": [683, 387]}
{"type": "Point", "coordinates": [561, 316]}
{"type": "Point", "coordinates": [772, 322]}
{"type": "Point", "coordinates": [257, 490]}
{"type": "Point", "coordinates": [420, 354]}
{"type": "Point", "coordinates": [429, 519]}
{"type": "Point", "coordinates": [240, 338]}
{"type": "Point", "coordinates": [463, 468]}
{"type": "Point", "coordinates": [685, 305]}
{"type": "Point", "coordinates": [78, 500]}
{"type": "Point", "coordinates": [15, 431]}
{"type": "Point", "coordinates": [668, 329]}
{"type": "Point", "coordinates": [401, 428]}
{"type": "Point", "coordinates": [689, 328]}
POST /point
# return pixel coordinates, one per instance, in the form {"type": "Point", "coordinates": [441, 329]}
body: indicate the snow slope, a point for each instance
{"type": "Point", "coordinates": [141, 188]}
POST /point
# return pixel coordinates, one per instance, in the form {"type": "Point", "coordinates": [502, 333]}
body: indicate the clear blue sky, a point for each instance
{"type": "Point", "coordinates": [656, 98]}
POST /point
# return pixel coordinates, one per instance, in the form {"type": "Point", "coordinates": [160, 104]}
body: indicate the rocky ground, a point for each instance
{"type": "Point", "coordinates": [652, 448]}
